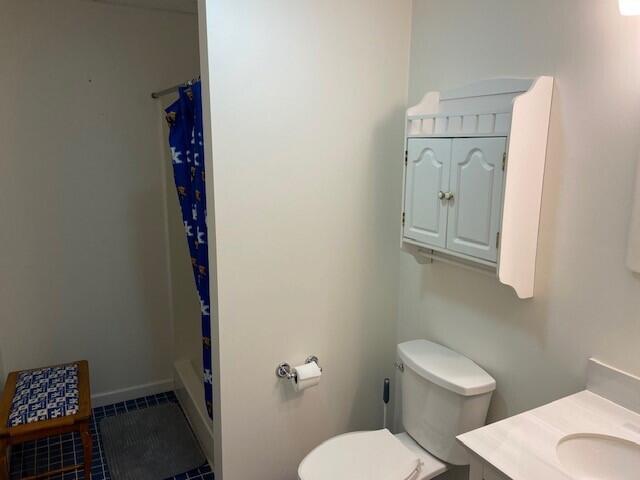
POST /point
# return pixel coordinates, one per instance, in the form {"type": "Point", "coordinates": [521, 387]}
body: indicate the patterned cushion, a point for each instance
{"type": "Point", "coordinates": [45, 394]}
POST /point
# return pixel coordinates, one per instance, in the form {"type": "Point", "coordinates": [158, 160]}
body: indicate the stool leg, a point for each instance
{"type": "Point", "coordinates": [87, 447]}
{"type": "Point", "coordinates": [4, 461]}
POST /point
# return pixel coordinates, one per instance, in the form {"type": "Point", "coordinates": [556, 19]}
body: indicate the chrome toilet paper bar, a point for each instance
{"type": "Point", "coordinates": [285, 370]}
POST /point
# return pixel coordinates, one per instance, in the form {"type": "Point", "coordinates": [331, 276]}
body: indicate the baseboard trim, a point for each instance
{"type": "Point", "coordinates": [131, 393]}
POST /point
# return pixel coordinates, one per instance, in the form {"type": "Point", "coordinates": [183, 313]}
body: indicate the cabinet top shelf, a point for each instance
{"type": "Point", "coordinates": [483, 108]}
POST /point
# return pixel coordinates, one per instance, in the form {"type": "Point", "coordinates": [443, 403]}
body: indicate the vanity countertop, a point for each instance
{"type": "Point", "coordinates": [523, 447]}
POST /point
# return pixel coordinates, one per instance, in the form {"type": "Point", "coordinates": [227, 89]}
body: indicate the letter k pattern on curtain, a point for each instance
{"type": "Point", "coordinates": [187, 152]}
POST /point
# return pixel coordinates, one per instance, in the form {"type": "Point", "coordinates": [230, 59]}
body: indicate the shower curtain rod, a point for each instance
{"type": "Point", "coordinates": [173, 89]}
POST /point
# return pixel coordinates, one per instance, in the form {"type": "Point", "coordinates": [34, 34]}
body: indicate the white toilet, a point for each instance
{"type": "Point", "coordinates": [444, 394]}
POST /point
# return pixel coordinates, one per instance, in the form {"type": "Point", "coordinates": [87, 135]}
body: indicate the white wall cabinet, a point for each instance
{"type": "Point", "coordinates": [474, 168]}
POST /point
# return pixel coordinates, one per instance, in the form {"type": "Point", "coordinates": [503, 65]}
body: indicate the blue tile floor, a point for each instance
{"type": "Point", "coordinates": [55, 452]}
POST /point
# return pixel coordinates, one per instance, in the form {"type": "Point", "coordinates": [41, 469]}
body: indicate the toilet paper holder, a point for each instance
{"type": "Point", "coordinates": [285, 370]}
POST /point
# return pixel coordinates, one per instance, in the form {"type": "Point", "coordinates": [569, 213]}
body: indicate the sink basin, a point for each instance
{"type": "Point", "coordinates": [588, 456]}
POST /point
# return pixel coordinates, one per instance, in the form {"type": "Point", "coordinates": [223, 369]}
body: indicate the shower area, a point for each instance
{"type": "Point", "coordinates": [99, 235]}
{"type": "Point", "coordinates": [174, 97]}
{"type": "Point", "coordinates": [184, 182]}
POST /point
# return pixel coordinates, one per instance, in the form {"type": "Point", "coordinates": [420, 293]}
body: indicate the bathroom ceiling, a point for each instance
{"type": "Point", "coordinates": [181, 6]}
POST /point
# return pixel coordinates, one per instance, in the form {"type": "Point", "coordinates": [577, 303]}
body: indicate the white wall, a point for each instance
{"type": "Point", "coordinates": [83, 258]}
{"type": "Point", "coordinates": [307, 138]}
{"type": "Point", "coordinates": [586, 303]}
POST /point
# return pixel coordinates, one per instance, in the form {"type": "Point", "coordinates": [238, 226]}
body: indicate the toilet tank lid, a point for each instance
{"type": "Point", "coordinates": [445, 368]}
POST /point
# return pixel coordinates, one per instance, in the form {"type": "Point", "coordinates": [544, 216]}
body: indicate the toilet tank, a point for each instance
{"type": "Point", "coordinates": [444, 394]}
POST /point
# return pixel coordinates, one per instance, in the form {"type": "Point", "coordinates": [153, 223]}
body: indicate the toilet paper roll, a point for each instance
{"type": "Point", "coordinates": [307, 375]}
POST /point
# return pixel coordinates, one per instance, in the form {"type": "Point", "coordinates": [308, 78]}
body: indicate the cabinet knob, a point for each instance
{"type": "Point", "coordinates": [448, 196]}
{"type": "Point", "coordinates": [440, 194]}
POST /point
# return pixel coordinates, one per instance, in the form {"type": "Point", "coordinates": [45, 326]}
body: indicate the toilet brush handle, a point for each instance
{"type": "Point", "coordinates": [385, 394]}
{"type": "Point", "coordinates": [385, 399]}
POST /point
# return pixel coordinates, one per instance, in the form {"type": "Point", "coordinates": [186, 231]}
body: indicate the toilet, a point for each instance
{"type": "Point", "coordinates": [444, 394]}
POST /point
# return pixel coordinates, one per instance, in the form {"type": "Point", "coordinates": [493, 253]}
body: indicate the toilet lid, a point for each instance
{"type": "Point", "coordinates": [361, 456]}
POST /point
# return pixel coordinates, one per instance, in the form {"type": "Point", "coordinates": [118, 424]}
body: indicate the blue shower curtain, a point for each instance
{"type": "Point", "coordinates": [187, 153]}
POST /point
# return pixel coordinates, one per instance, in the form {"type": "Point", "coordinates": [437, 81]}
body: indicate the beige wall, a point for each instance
{"type": "Point", "coordinates": [307, 140]}
{"type": "Point", "coordinates": [586, 303]}
{"type": "Point", "coordinates": [84, 251]}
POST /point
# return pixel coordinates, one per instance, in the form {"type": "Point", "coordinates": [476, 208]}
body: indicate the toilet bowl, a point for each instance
{"type": "Point", "coordinates": [370, 455]}
{"type": "Point", "coordinates": [444, 394]}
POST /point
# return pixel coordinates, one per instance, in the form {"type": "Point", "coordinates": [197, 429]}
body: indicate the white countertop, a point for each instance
{"type": "Point", "coordinates": [523, 447]}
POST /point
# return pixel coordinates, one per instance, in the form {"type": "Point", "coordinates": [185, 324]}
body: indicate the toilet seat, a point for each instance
{"type": "Point", "coordinates": [370, 455]}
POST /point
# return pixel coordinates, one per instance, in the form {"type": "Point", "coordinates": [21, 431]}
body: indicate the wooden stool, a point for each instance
{"type": "Point", "coordinates": [44, 402]}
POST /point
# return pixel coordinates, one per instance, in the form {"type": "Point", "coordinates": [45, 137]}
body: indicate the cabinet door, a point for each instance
{"type": "Point", "coordinates": [476, 185]}
{"type": "Point", "coordinates": [428, 165]}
